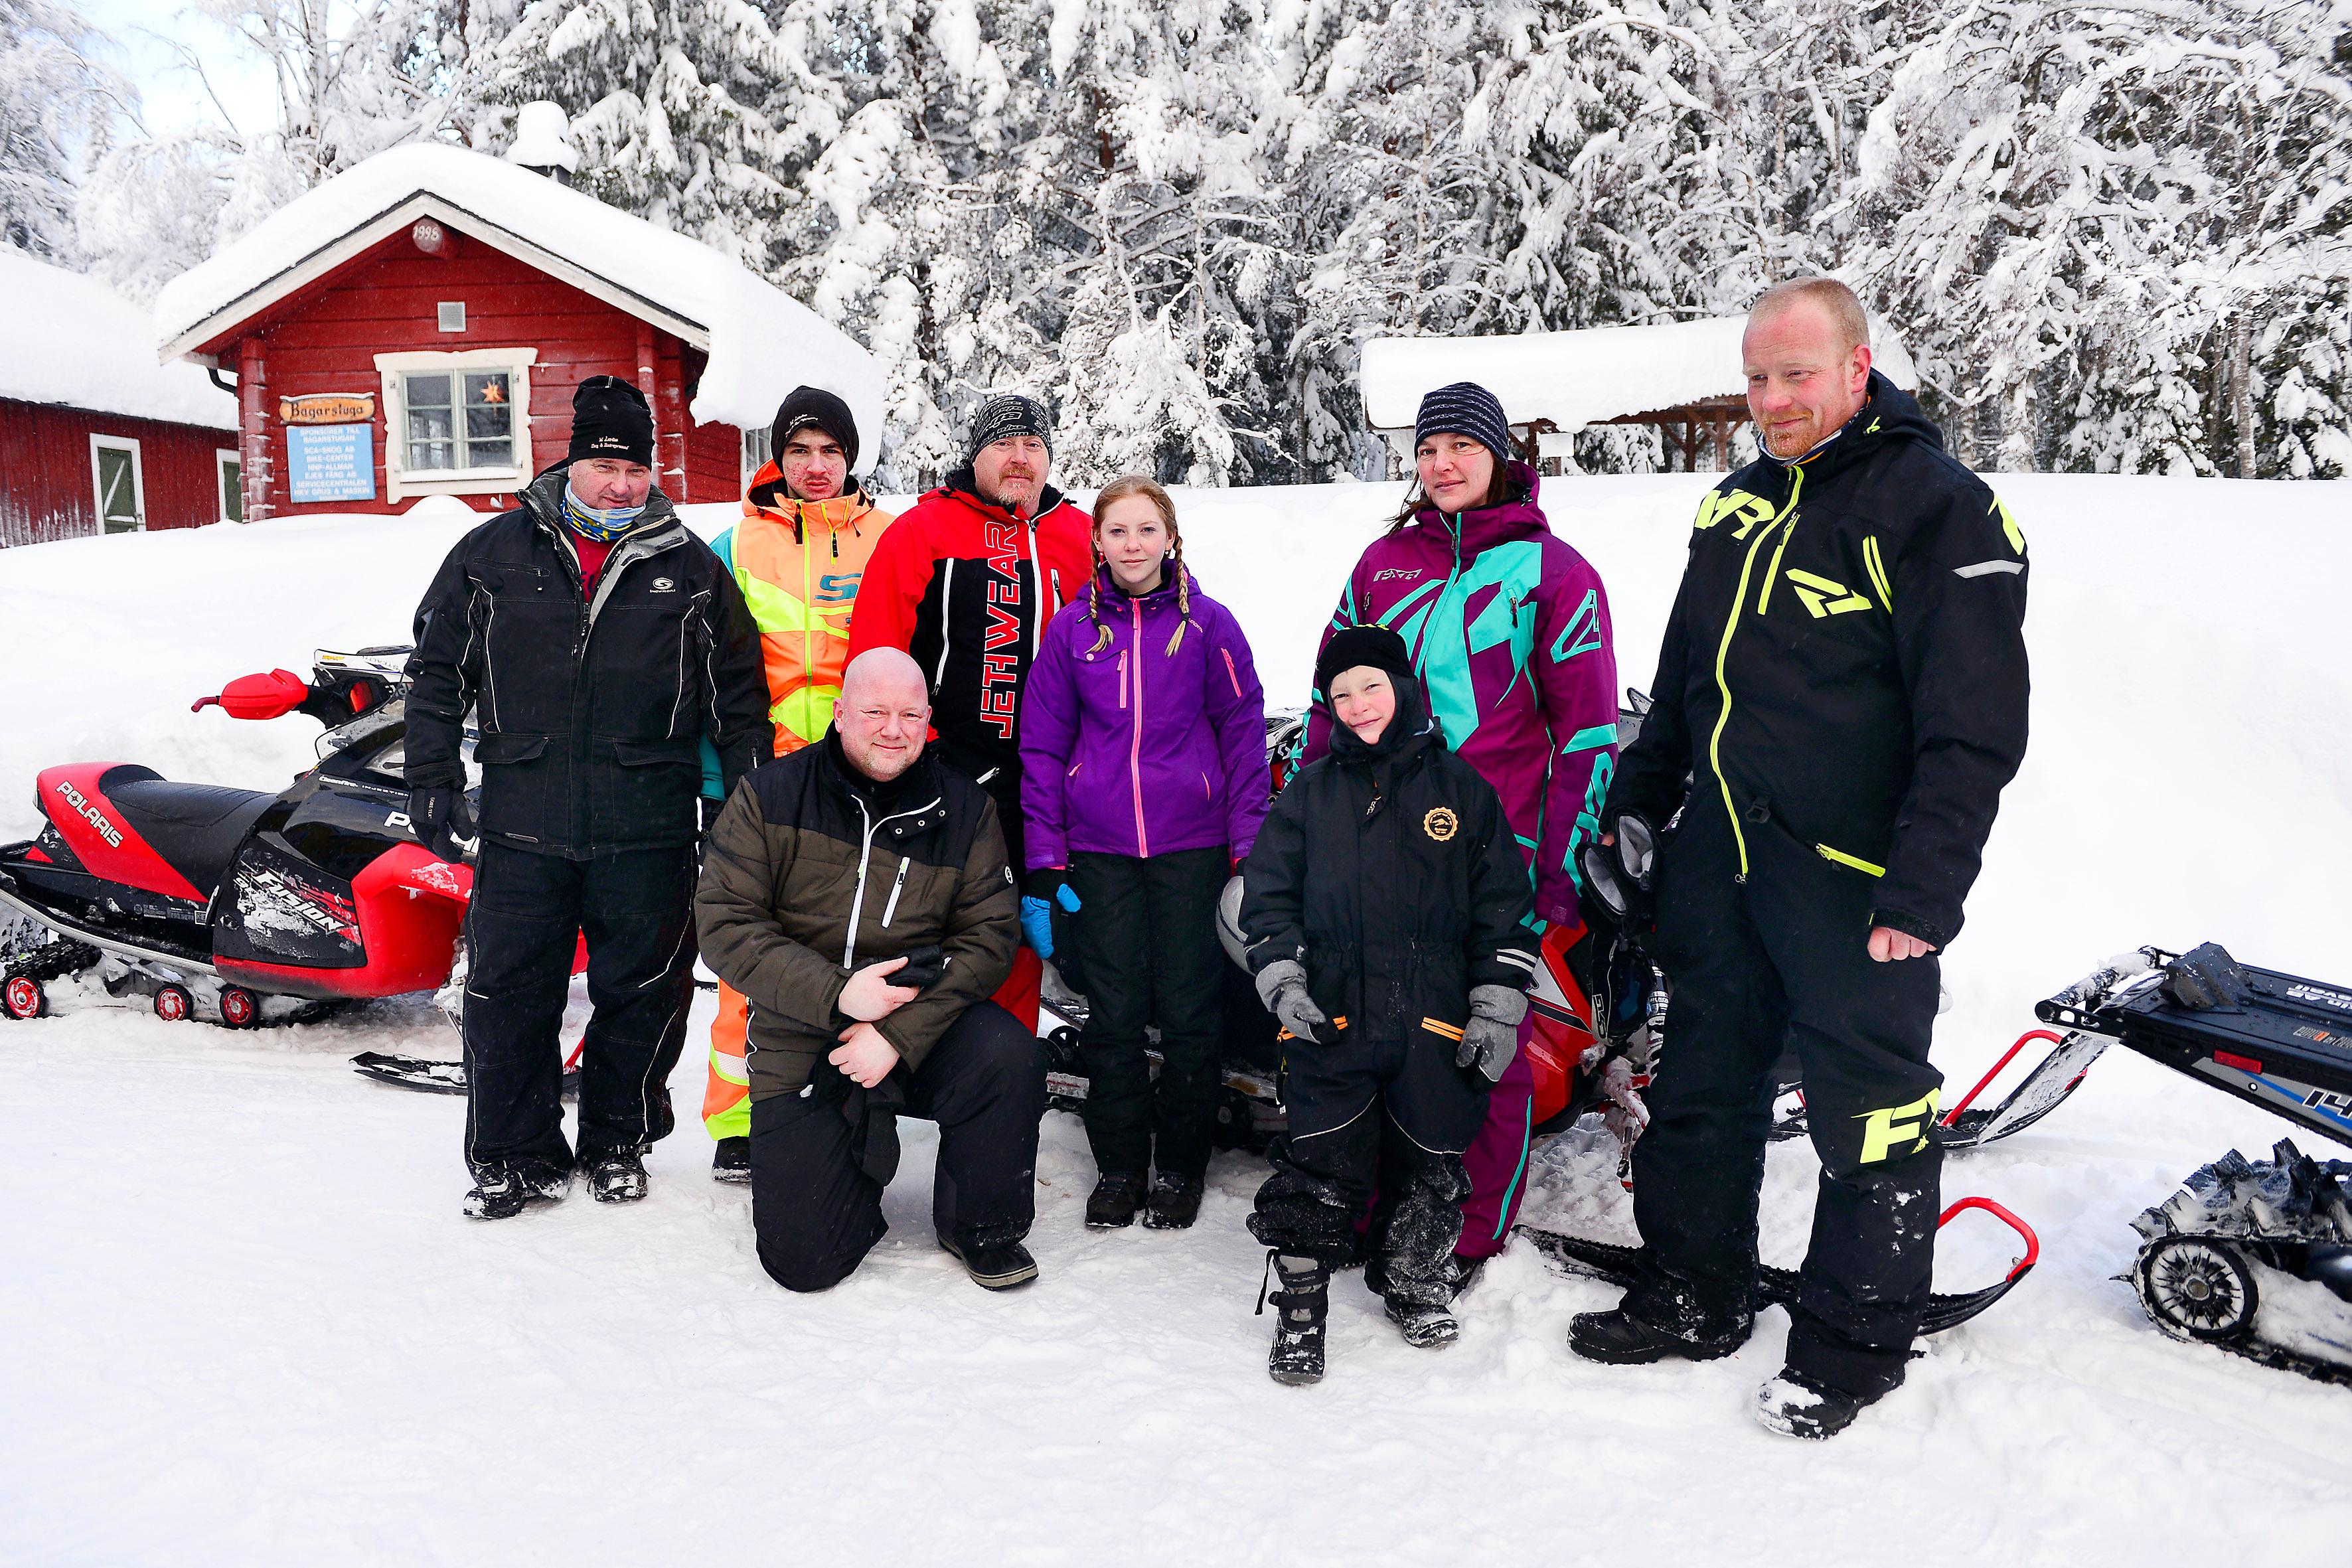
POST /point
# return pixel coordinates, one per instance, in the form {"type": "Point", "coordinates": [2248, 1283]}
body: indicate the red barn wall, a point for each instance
{"type": "Point", "coordinates": [47, 488]}
{"type": "Point", "coordinates": [386, 300]}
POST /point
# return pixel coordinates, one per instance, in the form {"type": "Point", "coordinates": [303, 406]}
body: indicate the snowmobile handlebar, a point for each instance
{"type": "Point", "coordinates": [338, 698]}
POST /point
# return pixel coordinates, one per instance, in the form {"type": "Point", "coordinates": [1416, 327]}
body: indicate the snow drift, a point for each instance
{"type": "Point", "coordinates": [246, 1323]}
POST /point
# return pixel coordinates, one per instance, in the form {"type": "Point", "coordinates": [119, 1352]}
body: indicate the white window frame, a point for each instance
{"type": "Point", "coordinates": [98, 479]}
{"type": "Point", "coordinates": [222, 458]}
{"type": "Point", "coordinates": [400, 481]}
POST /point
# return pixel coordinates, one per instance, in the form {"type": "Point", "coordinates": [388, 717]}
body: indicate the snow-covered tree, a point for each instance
{"type": "Point", "coordinates": [59, 108]}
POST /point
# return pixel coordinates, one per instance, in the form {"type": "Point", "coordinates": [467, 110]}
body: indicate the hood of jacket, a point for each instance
{"type": "Point", "coordinates": [1888, 416]}
{"type": "Point", "coordinates": [1482, 527]}
{"type": "Point", "coordinates": [766, 494]}
{"type": "Point", "coordinates": [1411, 730]}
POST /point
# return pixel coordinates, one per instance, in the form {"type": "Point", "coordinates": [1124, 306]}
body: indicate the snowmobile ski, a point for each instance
{"type": "Point", "coordinates": [430, 1077]}
{"type": "Point", "coordinates": [1966, 1125]}
{"type": "Point", "coordinates": [1624, 1264]}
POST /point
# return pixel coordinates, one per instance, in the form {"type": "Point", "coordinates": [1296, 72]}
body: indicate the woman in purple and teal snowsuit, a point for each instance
{"type": "Point", "coordinates": [1509, 631]}
{"type": "Point", "coordinates": [1143, 779]}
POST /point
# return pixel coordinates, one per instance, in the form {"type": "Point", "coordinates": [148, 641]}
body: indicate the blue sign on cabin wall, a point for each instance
{"type": "Point", "coordinates": [331, 462]}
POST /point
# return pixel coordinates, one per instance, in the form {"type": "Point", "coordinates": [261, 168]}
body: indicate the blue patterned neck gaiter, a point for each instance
{"type": "Point", "coordinates": [601, 523]}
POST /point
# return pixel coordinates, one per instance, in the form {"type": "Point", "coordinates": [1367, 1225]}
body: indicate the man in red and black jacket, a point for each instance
{"type": "Point", "coordinates": [966, 581]}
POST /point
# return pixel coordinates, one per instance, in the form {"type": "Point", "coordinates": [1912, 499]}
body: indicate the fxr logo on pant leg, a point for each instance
{"type": "Point", "coordinates": [1884, 1130]}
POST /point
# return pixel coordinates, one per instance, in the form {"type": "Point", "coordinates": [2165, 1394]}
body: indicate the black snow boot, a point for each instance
{"type": "Point", "coordinates": [731, 1162]}
{"type": "Point", "coordinates": [1117, 1195]}
{"type": "Point", "coordinates": [1424, 1326]}
{"type": "Point", "coordinates": [504, 1188]}
{"type": "Point", "coordinates": [1175, 1203]}
{"type": "Point", "coordinates": [617, 1175]}
{"type": "Point", "coordinates": [1797, 1405]}
{"type": "Point", "coordinates": [1617, 1338]}
{"type": "Point", "coordinates": [994, 1265]}
{"type": "Point", "coordinates": [1301, 1307]}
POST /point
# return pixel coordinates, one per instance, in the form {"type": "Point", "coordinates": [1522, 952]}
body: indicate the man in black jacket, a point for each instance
{"type": "Point", "coordinates": [596, 642]}
{"type": "Point", "coordinates": [1841, 698]}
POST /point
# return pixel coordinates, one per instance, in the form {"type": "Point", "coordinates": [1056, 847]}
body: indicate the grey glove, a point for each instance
{"type": "Point", "coordinates": [1491, 1039]}
{"type": "Point", "coordinates": [1282, 988]}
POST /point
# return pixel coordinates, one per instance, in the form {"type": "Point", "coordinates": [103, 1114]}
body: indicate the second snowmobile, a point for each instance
{"type": "Point", "coordinates": [239, 906]}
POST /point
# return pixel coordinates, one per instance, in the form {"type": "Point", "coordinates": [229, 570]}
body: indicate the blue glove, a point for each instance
{"type": "Point", "coordinates": [1037, 909]}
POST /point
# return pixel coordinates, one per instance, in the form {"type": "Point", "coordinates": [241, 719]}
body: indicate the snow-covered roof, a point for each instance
{"type": "Point", "coordinates": [73, 341]}
{"type": "Point", "coordinates": [1579, 378]}
{"type": "Point", "coordinates": [762, 343]}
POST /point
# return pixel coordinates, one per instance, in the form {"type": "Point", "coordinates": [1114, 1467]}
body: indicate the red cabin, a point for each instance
{"type": "Point", "coordinates": [95, 437]}
{"type": "Point", "coordinates": [416, 325]}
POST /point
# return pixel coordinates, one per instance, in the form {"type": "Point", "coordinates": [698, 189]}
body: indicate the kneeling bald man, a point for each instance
{"type": "Point", "coordinates": [857, 893]}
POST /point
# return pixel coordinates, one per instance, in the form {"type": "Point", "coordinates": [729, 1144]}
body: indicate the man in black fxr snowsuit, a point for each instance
{"type": "Point", "coordinates": [596, 642]}
{"type": "Point", "coordinates": [1382, 908]}
{"type": "Point", "coordinates": [1841, 692]}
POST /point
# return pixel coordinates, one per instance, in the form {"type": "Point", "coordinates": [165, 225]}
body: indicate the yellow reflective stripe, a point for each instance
{"type": "Point", "coordinates": [1843, 859]}
{"type": "Point", "coordinates": [774, 611]}
{"type": "Point", "coordinates": [1877, 567]}
{"type": "Point", "coordinates": [807, 711]}
{"type": "Point", "coordinates": [1773, 573]}
{"type": "Point", "coordinates": [1723, 684]}
{"type": "Point", "coordinates": [2014, 534]}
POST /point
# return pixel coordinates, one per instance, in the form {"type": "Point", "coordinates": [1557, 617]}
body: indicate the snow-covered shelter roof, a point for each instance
{"type": "Point", "coordinates": [1579, 378]}
{"type": "Point", "coordinates": [73, 342]}
{"type": "Point", "coordinates": [761, 341]}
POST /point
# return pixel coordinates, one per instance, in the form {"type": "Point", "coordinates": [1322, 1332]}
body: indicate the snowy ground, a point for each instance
{"type": "Point", "coordinates": [244, 1322]}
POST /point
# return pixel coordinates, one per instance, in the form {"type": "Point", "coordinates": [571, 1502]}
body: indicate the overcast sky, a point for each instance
{"type": "Point", "coordinates": [140, 35]}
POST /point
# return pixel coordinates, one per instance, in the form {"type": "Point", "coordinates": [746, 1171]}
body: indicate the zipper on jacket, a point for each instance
{"type": "Point", "coordinates": [898, 885]}
{"type": "Point", "coordinates": [1134, 736]}
{"type": "Point", "coordinates": [1773, 573]}
{"type": "Point", "coordinates": [1231, 673]}
{"type": "Point", "coordinates": [1723, 682]}
{"type": "Point", "coordinates": [946, 590]}
{"type": "Point", "coordinates": [864, 854]}
{"type": "Point", "coordinates": [1843, 859]}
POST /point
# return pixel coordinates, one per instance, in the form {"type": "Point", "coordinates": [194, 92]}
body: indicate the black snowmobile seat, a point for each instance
{"type": "Point", "coordinates": [196, 828]}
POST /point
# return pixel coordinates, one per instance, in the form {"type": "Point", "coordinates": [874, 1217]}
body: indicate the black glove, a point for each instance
{"type": "Point", "coordinates": [1617, 890]}
{"type": "Point", "coordinates": [442, 822]}
{"type": "Point", "coordinates": [923, 968]}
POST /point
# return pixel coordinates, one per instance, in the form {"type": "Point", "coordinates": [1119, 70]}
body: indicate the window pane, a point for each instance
{"type": "Point", "coordinates": [232, 478]}
{"type": "Point", "coordinates": [429, 390]}
{"type": "Point", "coordinates": [428, 425]}
{"type": "Point", "coordinates": [489, 387]}
{"type": "Point", "coordinates": [490, 454]}
{"type": "Point", "coordinates": [431, 455]}
{"type": "Point", "coordinates": [489, 424]}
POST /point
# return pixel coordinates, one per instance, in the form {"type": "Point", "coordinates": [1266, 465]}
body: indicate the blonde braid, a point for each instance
{"type": "Point", "coordinates": [1183, 597]}
{"type": "Point", "coordinates": [1094, 606]}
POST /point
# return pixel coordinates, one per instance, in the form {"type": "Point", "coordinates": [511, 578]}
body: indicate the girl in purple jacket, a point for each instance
{"type": "Point", "coordinates": [1144, 781]}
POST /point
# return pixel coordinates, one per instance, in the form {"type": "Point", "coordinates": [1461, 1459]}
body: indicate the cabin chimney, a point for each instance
{"type": "Point", "coordinates": [543, 142]}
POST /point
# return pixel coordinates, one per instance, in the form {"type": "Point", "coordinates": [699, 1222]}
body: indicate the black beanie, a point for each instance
{"type": "Point", "coordinates": [1008, 414]}
{"type": "Point", "coordinates": [611, 419]}
{"type": "Point", "coordinates": [1376, 645]}
{"type": "Point", "coordinates": [1465, 408]}
{"type": "Point", "coordinates": [813, 408]}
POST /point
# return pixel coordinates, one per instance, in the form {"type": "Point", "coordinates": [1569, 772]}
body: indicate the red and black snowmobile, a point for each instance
{"type": "Point", "coordinates": [235, 905]}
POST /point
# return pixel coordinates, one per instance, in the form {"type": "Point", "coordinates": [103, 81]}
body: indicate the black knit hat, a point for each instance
{"type": "Point", "coordinates": [813, 408]}
{"type": "Point", "coordinates": [611, 419]}
{"type": "Point", "coordinates": [1008, 414]}
{"type": "Point", "coordinates": [1465, 408]}
{"type": "Point", "coordinates": [1376, 645]}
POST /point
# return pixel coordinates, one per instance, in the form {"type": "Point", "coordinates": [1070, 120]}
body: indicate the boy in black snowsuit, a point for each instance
{"type": "Point", "coordinates": [1383, 908]}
